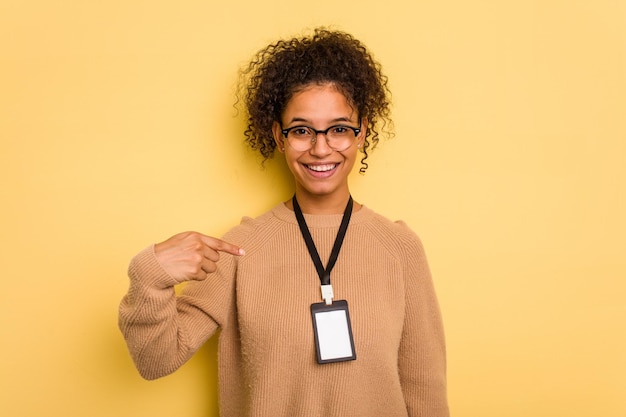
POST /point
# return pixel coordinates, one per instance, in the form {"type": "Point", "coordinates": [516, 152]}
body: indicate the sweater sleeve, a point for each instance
{"type": "Point", "coordinates": [422, 353]}
{"type": "Point", "coordinates": [163, 330]}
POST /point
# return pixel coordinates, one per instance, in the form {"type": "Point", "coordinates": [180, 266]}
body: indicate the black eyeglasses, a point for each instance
{"type": "Point", "coordinates": [338, 137]}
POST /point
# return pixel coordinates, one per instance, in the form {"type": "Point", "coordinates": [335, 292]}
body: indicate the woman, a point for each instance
{"type": "Point", "coordinates": [357, 335]}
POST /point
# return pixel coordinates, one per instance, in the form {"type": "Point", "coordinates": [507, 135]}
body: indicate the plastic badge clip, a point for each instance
{"type": "Point", "coordinates": [327, 294]}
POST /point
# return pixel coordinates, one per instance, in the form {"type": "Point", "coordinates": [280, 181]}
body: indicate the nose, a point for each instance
{"type": "Point", "coordinates": [320, 146]}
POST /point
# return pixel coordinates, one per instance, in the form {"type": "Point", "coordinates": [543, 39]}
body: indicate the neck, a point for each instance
{"type": "Point", "coordinates": [314, 204]}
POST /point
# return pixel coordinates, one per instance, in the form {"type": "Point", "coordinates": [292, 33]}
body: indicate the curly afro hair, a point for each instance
{"type": "Point", "coordinates": [281, 69]}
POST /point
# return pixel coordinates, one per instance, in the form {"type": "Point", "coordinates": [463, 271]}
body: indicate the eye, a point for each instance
{"type": "Point", "coordinates": [300, 132]}
{"type": "Point", "coordinates": [340, 130]}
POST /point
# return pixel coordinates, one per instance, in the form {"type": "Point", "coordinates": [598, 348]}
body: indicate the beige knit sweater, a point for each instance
{"type": "Point", "coordinates": [261, 302]}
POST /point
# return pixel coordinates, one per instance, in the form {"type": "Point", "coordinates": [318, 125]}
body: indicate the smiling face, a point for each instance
{"type": "Point", "coordinates": [321, 173]}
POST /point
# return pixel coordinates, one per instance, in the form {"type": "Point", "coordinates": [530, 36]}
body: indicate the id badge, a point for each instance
{"type": "Point", "coordinates": [333, 332]}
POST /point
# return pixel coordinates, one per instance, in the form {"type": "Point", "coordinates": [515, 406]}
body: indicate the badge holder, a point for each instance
{"type": "Point", "coordinates": [333, 332]}
{"type": "Point", "coordinates": [331, 321]}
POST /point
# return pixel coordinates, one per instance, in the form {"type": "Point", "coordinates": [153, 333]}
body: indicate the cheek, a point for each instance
{"type": "Point", "coordinates": [292, 161]}
{"type": "Point", "coordinates": [350, 158]}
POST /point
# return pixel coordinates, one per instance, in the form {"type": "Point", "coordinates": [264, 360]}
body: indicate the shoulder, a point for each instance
{"type": "Point", "coordinates": [253, 231]}
{"type": "Point", "coordinates": [396, 235]}
{"type": "Point", "coordinates": [392, 229]}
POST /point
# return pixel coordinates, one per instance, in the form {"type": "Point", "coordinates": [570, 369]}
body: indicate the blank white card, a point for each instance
{"type": "Point", "coordinates": [333, 335]}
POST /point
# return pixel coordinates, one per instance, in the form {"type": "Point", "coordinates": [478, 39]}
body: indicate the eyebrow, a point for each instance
{"type": "Point", "coordinates": [303, 120]}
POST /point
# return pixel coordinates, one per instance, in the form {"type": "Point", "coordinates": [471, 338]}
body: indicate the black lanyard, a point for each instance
{"type": "Point", "coordinates": [324, 273]}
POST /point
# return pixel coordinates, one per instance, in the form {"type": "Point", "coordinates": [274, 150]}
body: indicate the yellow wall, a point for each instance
{"type": "Point", "coordinates": [117, 130]}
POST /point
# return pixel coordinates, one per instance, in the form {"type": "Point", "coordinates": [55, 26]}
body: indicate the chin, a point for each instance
{"type": "Point", "coordinates": [323, 191]}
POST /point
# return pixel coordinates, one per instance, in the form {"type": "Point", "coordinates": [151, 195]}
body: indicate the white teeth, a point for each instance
{"type": "Point", "coordinates": [321, 168]}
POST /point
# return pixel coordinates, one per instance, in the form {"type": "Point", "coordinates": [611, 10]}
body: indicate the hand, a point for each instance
{"type": "Point", "coordinates": [192, 256]}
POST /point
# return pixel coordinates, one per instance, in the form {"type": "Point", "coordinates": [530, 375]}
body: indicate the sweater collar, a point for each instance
{"type": "Point", "coordinates": [320, 220]}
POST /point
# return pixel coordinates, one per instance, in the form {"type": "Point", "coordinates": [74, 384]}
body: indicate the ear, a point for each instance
{"type": "Point", "coordinates": [362, 133]}
{"type": "Point", "coordinates": [278, 137]}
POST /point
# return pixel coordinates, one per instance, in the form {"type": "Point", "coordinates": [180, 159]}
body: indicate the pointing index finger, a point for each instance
{"type": "Point", "coordinates": [222, 246]}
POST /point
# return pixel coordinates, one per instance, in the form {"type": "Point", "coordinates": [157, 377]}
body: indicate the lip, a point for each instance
{"type": "Point", "coordinates": [321, 170]}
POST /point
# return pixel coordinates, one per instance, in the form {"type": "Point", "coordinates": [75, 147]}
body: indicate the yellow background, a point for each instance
{"type": "Point", "coordinates": [117, 129]}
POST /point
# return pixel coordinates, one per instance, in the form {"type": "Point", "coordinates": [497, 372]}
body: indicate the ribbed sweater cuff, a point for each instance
{"type": "Point", "coordinates": [145, 267]}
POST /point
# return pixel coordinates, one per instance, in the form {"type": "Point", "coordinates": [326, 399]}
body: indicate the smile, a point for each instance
{"type": "Point", "coordinates": [321, 168]}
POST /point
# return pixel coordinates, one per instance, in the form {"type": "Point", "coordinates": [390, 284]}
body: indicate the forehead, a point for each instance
{"type": "Point", "coordinates": [318, 103]}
